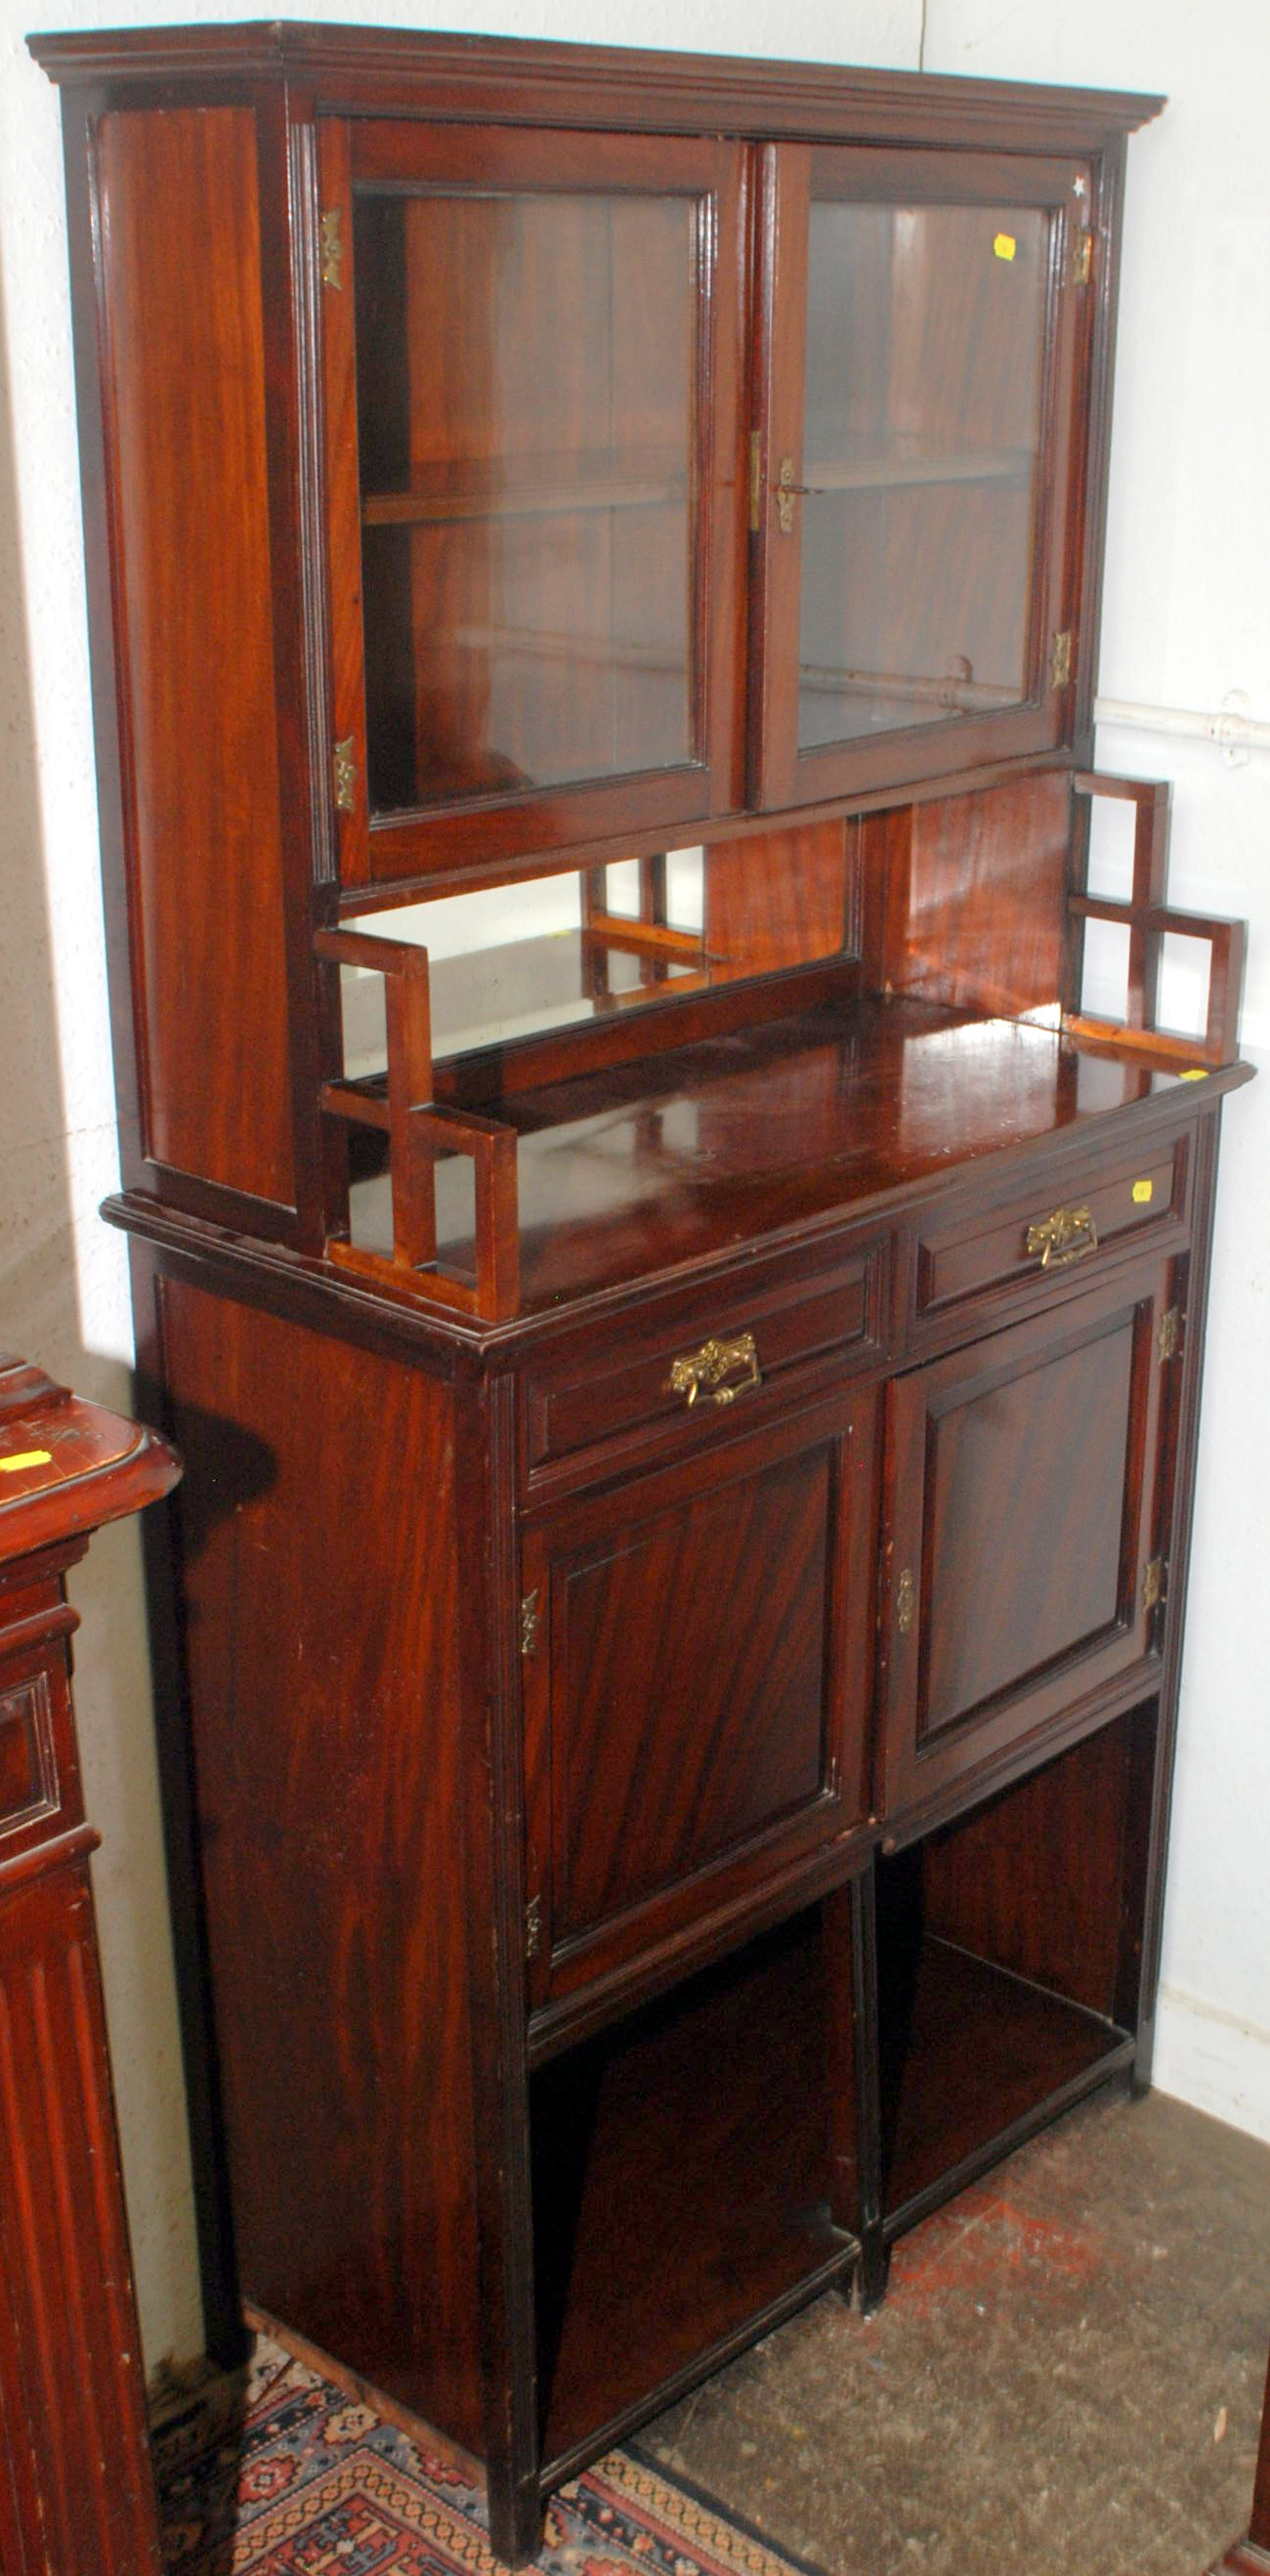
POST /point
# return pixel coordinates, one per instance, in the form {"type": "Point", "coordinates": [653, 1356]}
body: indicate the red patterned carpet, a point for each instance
{"type": "Point", "coordinates": [286, 2475]}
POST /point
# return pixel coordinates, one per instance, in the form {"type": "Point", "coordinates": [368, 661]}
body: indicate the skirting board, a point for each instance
{"type": "Point", "coordinates": [1214, 2060]}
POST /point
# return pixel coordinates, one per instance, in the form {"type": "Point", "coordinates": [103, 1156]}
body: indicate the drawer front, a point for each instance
{"type": "Point", "coordinates": [1023, 1531]}
{"type": "Point", "coordinates": [697, 1681]}
{"type": "Point", "coordinates": [1050, 1227]}
{"type": "Point", "coordinates": [675, 1376]}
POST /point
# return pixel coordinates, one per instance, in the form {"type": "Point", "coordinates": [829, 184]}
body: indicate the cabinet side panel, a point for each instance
{"type": "Point", "coordinates": [980, 922]}
{"type": "Point", "coordinates": [320, 1581]}
{"type": "Point", "coordinates": [184, 397]}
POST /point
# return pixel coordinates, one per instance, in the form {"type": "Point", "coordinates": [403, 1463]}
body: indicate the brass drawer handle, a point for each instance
{"type": "Point", "coordinates": [714, 1362]}
{"type": "Point", "coordinates": [1065, 1236]}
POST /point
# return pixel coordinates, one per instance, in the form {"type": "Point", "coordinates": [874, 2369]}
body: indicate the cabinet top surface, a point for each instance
{"type": "Point", "coordinates": [607, 85]}
{"type": "Point", "coordinates": [681, 1158]}
{"type": "Point", "coordinates": [67, 1466]}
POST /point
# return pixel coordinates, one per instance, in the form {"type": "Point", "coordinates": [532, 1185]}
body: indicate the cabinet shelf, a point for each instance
{"type": "Point", "coordinates": [541, 487]}
{"type": "Point", "coordinates": [974, 2057]}
{"type": "Point", "coordinates": [704, 2122]}
{"type": "Point", "coordinates": [1011, 465]}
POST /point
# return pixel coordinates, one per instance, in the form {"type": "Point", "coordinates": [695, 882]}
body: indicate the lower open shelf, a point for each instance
{"type": "Point", "coordinates": [973, 2056]}
{"type": "Point", "coordinates": [681, 2184]}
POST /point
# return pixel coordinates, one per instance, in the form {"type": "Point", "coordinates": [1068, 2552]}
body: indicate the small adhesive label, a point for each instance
{"type": "Point", "coordinates": [25, 1458]}
{"type": "Point", "coordinates": [1143, 1193]}
{"type": "Point", "coordinates": [1005, 245]}
{"type": "Point", "coordinates": [1194, 1073]}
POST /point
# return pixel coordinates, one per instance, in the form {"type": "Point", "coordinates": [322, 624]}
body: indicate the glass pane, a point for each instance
{"type": "Point", "coordinates": [525, 372]}
{"type": "Point", "coordinates": [921, 450]}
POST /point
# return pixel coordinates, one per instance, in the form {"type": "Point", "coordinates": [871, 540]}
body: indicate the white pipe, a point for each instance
{"type": "Point", "coordinates": [1232, 728]}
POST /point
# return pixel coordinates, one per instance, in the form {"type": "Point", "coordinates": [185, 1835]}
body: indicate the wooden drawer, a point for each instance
{"type": "Point", "coordinates": [1058, 1222]}
{"type": "Point", "coordinates": [675, 1372]}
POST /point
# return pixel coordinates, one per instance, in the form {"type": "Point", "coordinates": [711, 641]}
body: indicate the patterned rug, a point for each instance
{"type": "Point", "coordinates": [283, 2474]}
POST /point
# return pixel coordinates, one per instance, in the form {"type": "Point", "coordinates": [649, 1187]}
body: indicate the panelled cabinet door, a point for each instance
{"type": "Point", "coordinates": [535, 487]}
{"type": "Point", "coordinates": [1025, 1543]}
{"type": "Point", "coordinates": [698, 1667]}
{"type": "Point", "coordinates": [917, 478]}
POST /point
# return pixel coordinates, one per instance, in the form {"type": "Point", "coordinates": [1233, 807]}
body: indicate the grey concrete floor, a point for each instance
{"type": "Point", "coordinates": [1066, 2375]}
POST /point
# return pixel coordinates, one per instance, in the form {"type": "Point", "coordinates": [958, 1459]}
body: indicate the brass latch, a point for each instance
{"type": "Point", "coordinates": [1170, 1333]}
{"type": "Point", "coordinates": [1061, 660]}
{"type": "Point", "coordinates": [332, 248]}
{"type": "Point", "coordinates": [533, 1927]}
{"type": "Point", "coordinates": [530, 1622]}
{"type": "Point", "coordinates": [1154, 1581]}
{"type": "Point", "coordinates": [344, 769]}
{"type": "Point", "coordinates": [786, 487]}
{"type": "Point", "coordinates": [1082, 258]}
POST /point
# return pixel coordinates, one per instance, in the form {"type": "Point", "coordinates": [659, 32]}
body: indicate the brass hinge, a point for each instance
{"type": "Point", "coordinates": [1154, 1582]}
{"type": "Point", "coordinates": [1170, 1332]}
{"type": "Point", "coordinates": [1082, 258]}
{"type": "Point", "coordinates": [344, 768]}
{"type": "Point", "coordinates": [756, 482]}
{"type": "Point", "coordinates": [533, 1927]}
{"type": "Point", "coordinates": [905, 1601]}
{"type": "Point", "coordinates": [530, 1622]}
{"type": "Point", "coordinates": [332, 248]}
{"type": "Point", "coordinates": [1061, 660]}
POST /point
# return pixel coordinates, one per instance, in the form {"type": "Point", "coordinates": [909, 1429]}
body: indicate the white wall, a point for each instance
{"type": "Point", "coordinates": [1186, 619]}
{"type": "Point", "coordinates": [1185, 588]}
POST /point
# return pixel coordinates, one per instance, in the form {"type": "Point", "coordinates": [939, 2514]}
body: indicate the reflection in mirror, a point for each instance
{"type": "Point", "coordinates": [514, 961]}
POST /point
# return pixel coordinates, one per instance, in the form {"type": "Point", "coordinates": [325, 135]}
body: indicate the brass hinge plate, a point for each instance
{"type": "Point", "coordinates": [344, 774]}
{"type": "Point", "coordinates": [1170, 1332]}
{"type": "Point", "coordinates": [1155, 1582]}
{"type": "Point", "coordinates": [533, 1927]}
{"type": "Point", "coordinates": [332, 248]}
{"type": "Point", "coordinates": [530, 1622]}
{"type": "Point", "coordinates": [756, 482]}
{"type": "Point", "coordinates": [1061, 660]}
{"type": "Point", "coordinates": [1082, 258]}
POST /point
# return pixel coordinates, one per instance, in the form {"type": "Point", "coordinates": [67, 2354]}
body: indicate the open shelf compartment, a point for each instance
{"type": "Point", "coordinates": [1009, 1958]}
{"type": "Point", "coordinates": [706, 2120]}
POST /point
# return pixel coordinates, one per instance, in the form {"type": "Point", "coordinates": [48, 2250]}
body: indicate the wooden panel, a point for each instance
{"type": "Point", "coordinates": [678, 1753]}
{"type": "Point", "coordinates": [71, 2397]}
{"type": "Point", "coordinates": [28, 1770]}
{"type": "Point", "coordinates": [320, 1550]}
{"type": "Point", "coordinates": [1034, 1881]}
{"type": "Point", "coordinates": [782, 898]}
{"type": "Point", "coordinates": [975, 910]}
{"type": "Point", "coordinates": [185, 393]}
{"type": "Point", "coordinates": [1022, 1476]}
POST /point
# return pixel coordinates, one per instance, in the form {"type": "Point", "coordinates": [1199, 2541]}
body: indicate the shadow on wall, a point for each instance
{"type": "Point", "coordinates": [50, 1175]}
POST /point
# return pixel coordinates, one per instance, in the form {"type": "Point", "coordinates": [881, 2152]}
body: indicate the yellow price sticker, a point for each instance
{"type": "Point", "coordinates": [1194, 1073]}
{"type": "Point", "coordinates": [1005, 245]}
{"type": "Point", "coordinates": [1143, 1193]}
{"type": "Point", "coordinates": [25, 1458]}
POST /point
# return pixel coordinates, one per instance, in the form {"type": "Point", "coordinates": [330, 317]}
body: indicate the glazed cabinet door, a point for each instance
{"type": "Point", "coordinates": [535, 488]}
{"type": "Point", "coordinates": [1026, 1535]}
{"type": "Point", "coordinates": [697, 1683]}
{"type": "Point", "coordinates": [915, 475]}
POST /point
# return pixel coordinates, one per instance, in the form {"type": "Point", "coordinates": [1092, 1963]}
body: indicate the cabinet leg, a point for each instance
{"type": "Point", "coordinates": [868, 2281]}
{"type": "Point", "coordinates": [515, 2520]}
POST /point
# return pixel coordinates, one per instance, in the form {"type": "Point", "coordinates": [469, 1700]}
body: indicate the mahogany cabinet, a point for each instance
{"type": "Point", "coordinates": [685, 1333]}
{"type": "Point", "coordinates": [76, 2493]}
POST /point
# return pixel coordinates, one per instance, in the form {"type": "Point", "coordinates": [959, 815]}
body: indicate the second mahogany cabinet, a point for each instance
{"type": "Point", "coordinates": [684, 1333]}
